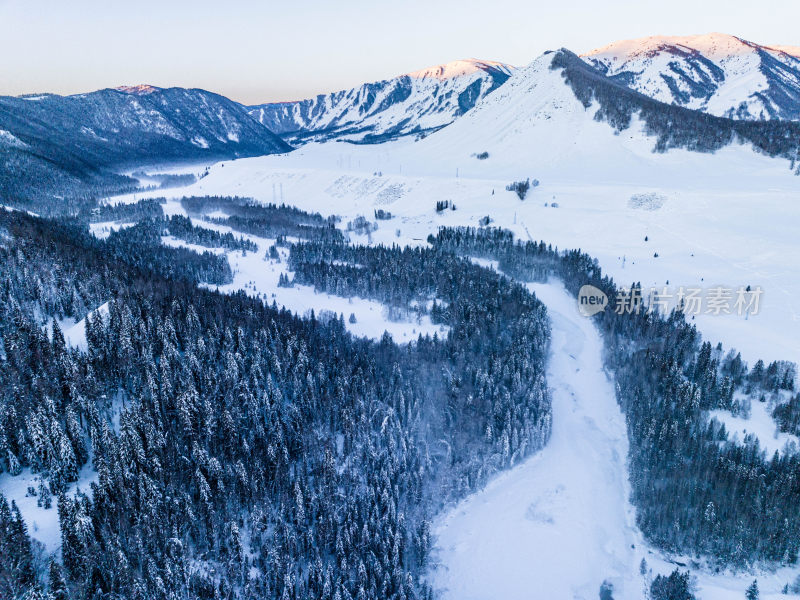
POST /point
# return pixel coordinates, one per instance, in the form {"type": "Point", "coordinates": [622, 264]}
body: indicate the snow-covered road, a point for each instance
{"type": "Point", "coordinates": [560, 524]}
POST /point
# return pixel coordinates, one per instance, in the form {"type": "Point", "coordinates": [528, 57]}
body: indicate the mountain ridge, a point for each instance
{"type": "Point", "coordinates": [414, 103]}
{"type": "Point", "coordinates": [721, 74]}
{"type": "Point", "coordinates": [69, 145]}
{"type": "Point", "coordinates": [559, 116]}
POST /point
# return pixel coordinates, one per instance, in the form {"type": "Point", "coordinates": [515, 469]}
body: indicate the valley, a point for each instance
{"type": "Point", "coordinates": [331, 348]}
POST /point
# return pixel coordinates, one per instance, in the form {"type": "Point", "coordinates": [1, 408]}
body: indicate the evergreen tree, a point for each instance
{"type": "Point", "coordinates": [57, 584]}
{"type": "Point", "coordinates": [674, 587]}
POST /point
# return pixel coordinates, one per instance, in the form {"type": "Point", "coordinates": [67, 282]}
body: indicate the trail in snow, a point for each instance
{"type": "Point", "coordinates": [558, 525]}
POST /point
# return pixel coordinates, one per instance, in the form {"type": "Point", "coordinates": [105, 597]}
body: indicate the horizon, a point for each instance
{"type": "Point", "coordinates": [342, 47]}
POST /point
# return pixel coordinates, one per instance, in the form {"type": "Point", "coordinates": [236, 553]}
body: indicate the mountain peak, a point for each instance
{"type": "Point", "coordinates": [141, 89]}
{"type": "Point", "coordinates": [458, 68]}
{"type": "Point", "coordinates": [710, 45]}
{"type": "Point", "coordinates": [718, 73]}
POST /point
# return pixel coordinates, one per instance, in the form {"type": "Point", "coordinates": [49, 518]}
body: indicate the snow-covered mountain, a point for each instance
{"type": "Point", "coordinates": [414, 103]}
{"type": "Point", "coordinates": [561, 114]}
{"type": "Point", "coordinates": [114, 126]}
{"type": "Point", "coordinates": [68, 146]}
{"type": "Point", "coordinates": [720, 74]}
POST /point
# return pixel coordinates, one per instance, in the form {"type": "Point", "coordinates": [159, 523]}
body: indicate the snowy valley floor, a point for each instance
{"type": "Point", "coordinates": [722, 222]}
{"type": "Point", "coordinates": [560, 524]}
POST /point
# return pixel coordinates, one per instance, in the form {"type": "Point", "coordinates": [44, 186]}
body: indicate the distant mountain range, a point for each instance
{"type": "Point", "coordinates": [67, 145]}
{"type": "Point", "coordinates": [412, 104]}
{"type": "Point", "coordinates": [75, 147]}
{"type": "Point", "coordinates": [719, 74]}
{"type": "Point", "coordinates": [115, 127]}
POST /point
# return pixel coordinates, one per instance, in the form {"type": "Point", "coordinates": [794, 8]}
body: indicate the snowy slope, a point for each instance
{"type": "Point", "coordinates": [8, 140]}
{"type": "Point", "coordinates": [413, 103]}
{"type": "Point", "coordinates": [717, 73]}
{"type": "Point", "coordinates": [534, 119]}
{"type": "Point", "coordinates": [536, 122]}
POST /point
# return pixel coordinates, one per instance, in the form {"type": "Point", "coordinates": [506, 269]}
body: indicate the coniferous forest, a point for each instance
{"type": "Point", "coordinates": [242, 452]}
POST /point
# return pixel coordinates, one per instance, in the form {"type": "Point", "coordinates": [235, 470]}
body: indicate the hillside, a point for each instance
{"type": "Point", "coordinates": [560, 115]}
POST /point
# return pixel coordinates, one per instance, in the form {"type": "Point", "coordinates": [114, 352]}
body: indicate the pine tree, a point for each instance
{"type": "Point", "coordinates": [674, 587]}
{"type": "Point", "coordinates": [17, 574]}
{"type": "Point", "coordinates": [58, 586]}
{"type": "Point", "coordinates": [752, 591]}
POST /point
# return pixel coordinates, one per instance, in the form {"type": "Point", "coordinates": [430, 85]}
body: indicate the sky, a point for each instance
{"type": "Point", "coordinates": [267, 51]}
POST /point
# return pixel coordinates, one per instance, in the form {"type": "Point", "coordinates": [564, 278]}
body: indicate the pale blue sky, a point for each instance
{"type": "Point", "coordinates": [265, 51]}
